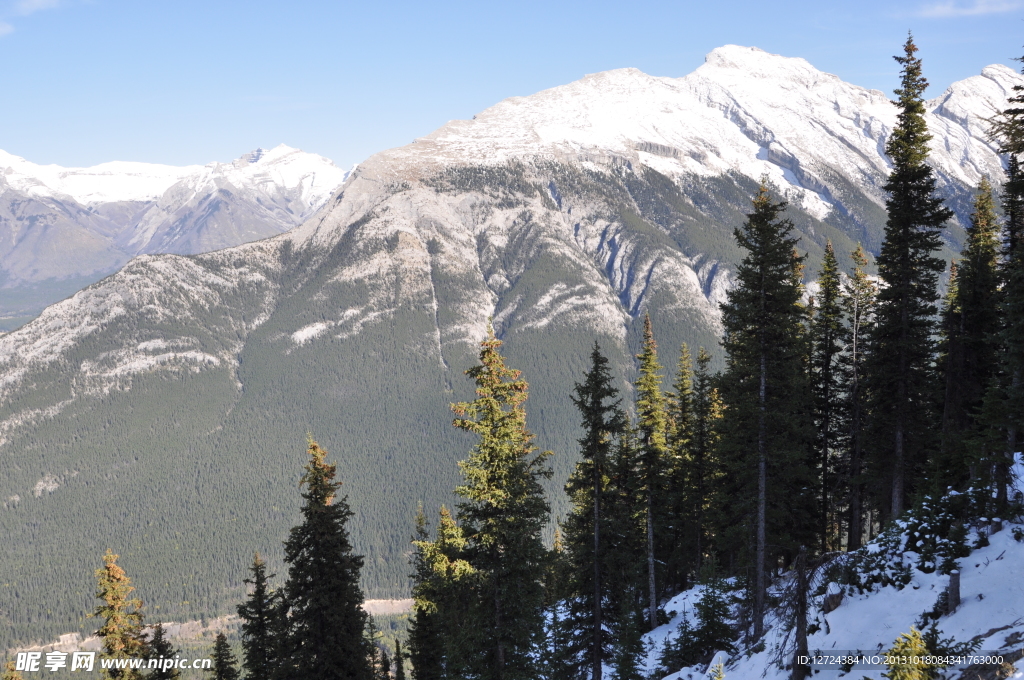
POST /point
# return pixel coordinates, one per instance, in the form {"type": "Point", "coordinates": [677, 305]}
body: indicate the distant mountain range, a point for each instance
{"type": "Point", "coordinates": [162, 412]}
{"type": "Point", "coordinates": [62, 228]}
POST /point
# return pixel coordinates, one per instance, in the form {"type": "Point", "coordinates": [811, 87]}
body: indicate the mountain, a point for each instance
{"type": "Point", "coordinates": [63, 228]}
{"type": "Point", "coordinates": [162, 412]}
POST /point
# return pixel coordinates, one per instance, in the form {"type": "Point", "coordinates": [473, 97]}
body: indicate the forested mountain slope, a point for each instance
{"type": "Point", "coordinates": [162, 412]}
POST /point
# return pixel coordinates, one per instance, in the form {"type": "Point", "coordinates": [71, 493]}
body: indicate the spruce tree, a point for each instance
{"type": "Point", "coordinates": [859, 293]}
{"type": "Point", "coordinates": [121, 631]}
{"type": "Point", "coordinates": [503, 514]}
{"type": "Point", "coordinates": [900, 363]}
{"type": "Point", "coordinates": [10, 673]}
{"type": "Point", "coordinates": [677, 543]}
{"type": "Point", "coordinates": [703, 470]}
{"type": "Point", "coordinates": [325, 603]}
{"type": "Point", "coordinates": [1007, 389]}
{"type": "Point", "coordinates": [264, 625]}
{"type": "Point", "coordinates": [586, 548]}
{"type": "Point", "coordinates": [161, 648]}
{"type": "Point", "coordinates": [225, 665]}
{"type": "Point", "coordinates": [910, 656]}
{"type": "Point", "coordinates": [441, 637]}
{"type": "Point", "coordinates": [971, 325]}
{"type": "Point", "coordinates": [623, 571]}
{"type": "Point", "coordinates": [1004, 401]}
{"type": "Point", "coordinates": [399, 661]}
{"type": "Point", "coordinates": [652, 433]}
{"type": "Point", "coordinates": [767, 433]}
{"type": "Point", "coordinates": [828, 336]}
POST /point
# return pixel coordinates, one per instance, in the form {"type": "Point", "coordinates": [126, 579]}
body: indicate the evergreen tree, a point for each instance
{"type": "Point", "coordinates": [121, 631]}
{"type": "Point", "coordinates": [322, 591]}
{"type": "Point", "coordinates": [859, 294]}
{"type": "Point", "coordinates": [1008, 387]}
{"type": "Point", "coordinates": [828, 338]}
{"type": "Point", "coordinates": [902, 348]}
{"type": "Point", "coordinates": [264, 625]}
{"type": "Point", "coordinates": [652, 431]}
{"type": "Point", "coordinates": [503, 514]}
{"type": "Point", "coordinates": [766, 438]}
{"type": "Point", "coordinates": [713, 633]}
{"type": "Point", "coordinates": [677, 543]}
{"type": "Point", "coordinates": [971, 326]}
{"type": "Point", "coordinates": [1004, 402]}
{"type": "Point", "coordinates": [623, 571]}
{"type": "Point", "coordinates": [161, 648]}
{"type": "Point", "coordinates": [703, 471]}
{"type": "Point", "coordinates": [225, 665]}
{"type": "Point", "coordinates": [910, 654]}
{"type": "Point", "coordinates": [441, 636]}
{"type": "Point", "coordinates": [399, 661]}
{"type": "Point", "coordinates": [602, 421]}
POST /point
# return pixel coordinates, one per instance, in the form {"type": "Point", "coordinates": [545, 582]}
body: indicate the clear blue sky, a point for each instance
{"type": "Point", "coordinates": [180, 82]}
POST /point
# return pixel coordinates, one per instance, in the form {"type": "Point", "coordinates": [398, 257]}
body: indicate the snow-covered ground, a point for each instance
{"type": "Point", "coordinates": [991, 613]}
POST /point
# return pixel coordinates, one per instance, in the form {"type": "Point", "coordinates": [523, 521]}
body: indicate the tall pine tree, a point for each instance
{"type": "Point", "coordinates": [503, 514]}
{"type": "Point", "coordinates": [121, 631]}
{"type": "Point", "coordinates": [442, 635]}
{"type": "Point", "coordinates": [900, 363]}
{"type": "Point", "coordinates": [1004, 402]}
{"type": "Point", "coordinates": [703, 469]}
{"type": "Point", "coordinates": [766, 438]}
{"type": "Point", "coordinates": [859, 293]}
{"type": "Point", "coordinates": [225, 665]}
{"type": "Point", "coordinates": [677, 544]}
{"type": "Point", "coordinates": [325, 602]}
{"type": "Point", "coordinates": [264, 625]}
{"type": "Point", "coordinates": [828, 336]}
{"type": "Point", "coordinates": [970, 329]}
{"type": "Point", "coordinates": [159, 647]}
{"type": "Point", "coordinates": [602, 421]}
{"type": "Point", "coordinates": [652, 434]}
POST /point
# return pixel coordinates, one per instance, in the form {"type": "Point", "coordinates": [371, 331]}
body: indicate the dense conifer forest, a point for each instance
{"type": "Point", "coordinates": [838, 409]}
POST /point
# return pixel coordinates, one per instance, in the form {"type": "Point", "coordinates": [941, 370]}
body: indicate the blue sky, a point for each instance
{"type": "Point", "coordinates": [88, 81]}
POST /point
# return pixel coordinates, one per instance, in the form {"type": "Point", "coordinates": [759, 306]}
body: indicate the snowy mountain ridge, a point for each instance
{"type": "Point", "coordinates": [744, 110]}
{"type": "Point", "coordinates": [117, 181]}
{"type": "Point", "coordinates": [62, 228]}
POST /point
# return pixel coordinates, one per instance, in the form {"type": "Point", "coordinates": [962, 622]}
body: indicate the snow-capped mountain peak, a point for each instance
{"type": "Point", "coordinates": [744, 110]}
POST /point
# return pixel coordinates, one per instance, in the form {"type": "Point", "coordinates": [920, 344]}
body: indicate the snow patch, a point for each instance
{"type": "Point", "coordinates": [48, 484]}
{"type": "Point", "coordinates": [307, 333]}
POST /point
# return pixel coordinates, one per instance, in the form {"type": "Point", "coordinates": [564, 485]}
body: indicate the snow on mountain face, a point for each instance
{"type": "Point", "coordinates": [76, 225]}
{"type": "Point", "coordinates": [118, 181]}
{"type": "Point", "coordinates": [743, 110]}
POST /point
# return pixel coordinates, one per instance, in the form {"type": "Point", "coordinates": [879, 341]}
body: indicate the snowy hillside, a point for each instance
{"type": "Point", "coordinates": [990, 615]}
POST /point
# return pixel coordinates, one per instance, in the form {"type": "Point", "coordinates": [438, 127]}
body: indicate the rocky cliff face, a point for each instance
{"type": "Point", "coordinates": [563, 217]}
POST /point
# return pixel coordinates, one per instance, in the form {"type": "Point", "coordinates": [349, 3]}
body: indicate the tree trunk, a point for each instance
{"type": "Point", "coordinates": [897, 474]}
{"type": "Point", "coordinates": [653, 612]}
{"type": "Point", "coordinates": [596, 654]}
{"type": "Point", "coordinates": [800, 671]}
{"type": "Point", "coordinates": [1003, 466]}
{"type": "Point", "coordinates": [762, 483]}
{"type": "Point", "coordinates": [499, 672]}
{"type": "Point", "coordinates": [856, 508]}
